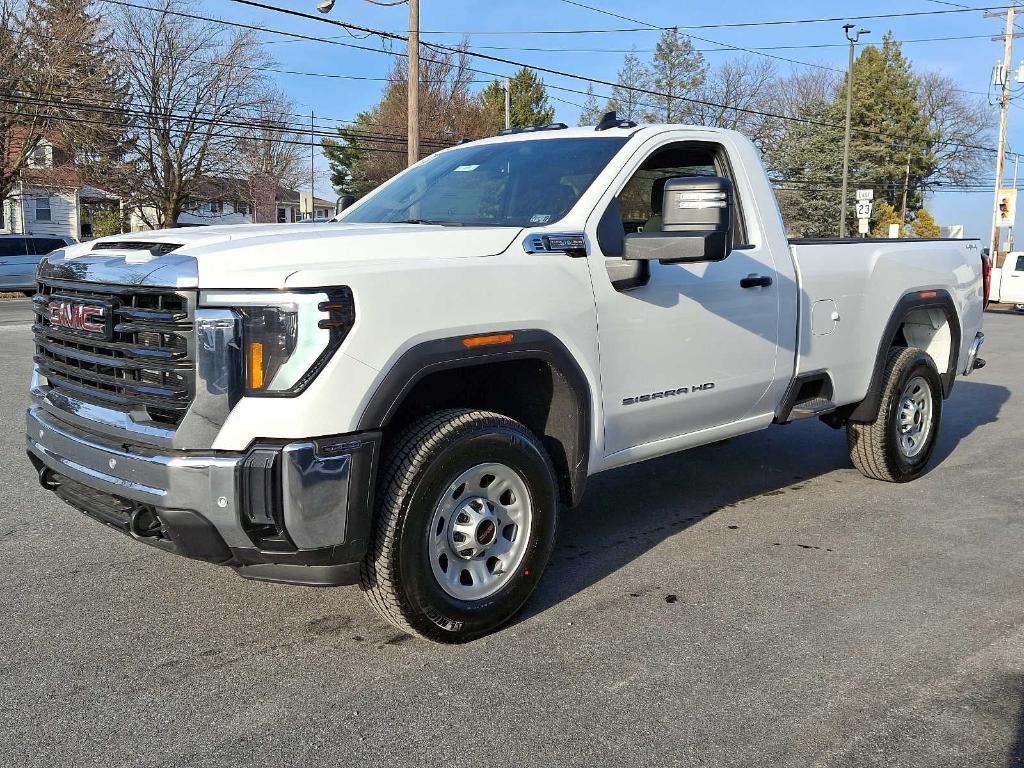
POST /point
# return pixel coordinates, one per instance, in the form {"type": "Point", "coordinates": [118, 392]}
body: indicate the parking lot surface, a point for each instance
{"type": "Point", "coordinates": [751, 603]}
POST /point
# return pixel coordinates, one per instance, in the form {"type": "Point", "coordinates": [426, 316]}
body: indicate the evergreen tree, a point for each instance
{"type": "Point", "coordinates": [529, 101]}
{"type": "Point", "coordinates": [629, 103]}
{"type": "Point", "coordinates": [677, 72]}
{"type": "Point", "coordinates": [804, 166]}
{"type": "Point", "coordinates": [924, 225]}
{"type": "Point", "coordinates": [885, 216]}
{"type": "Point", "coordinates": [592, 111]}
{"type": "Point", "coordinates": [888, 125]}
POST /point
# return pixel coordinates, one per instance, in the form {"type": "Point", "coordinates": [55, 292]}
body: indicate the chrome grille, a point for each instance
{"type": "Point", "coordinates": [146, 367]}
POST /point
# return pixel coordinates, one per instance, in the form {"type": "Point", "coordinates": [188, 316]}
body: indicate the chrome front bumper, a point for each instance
{"type": "Point", "coordinates": [296, 512]}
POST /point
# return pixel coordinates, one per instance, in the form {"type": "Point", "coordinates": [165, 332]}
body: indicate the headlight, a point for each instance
{"type": "Point", "coordinates": [288, 337]}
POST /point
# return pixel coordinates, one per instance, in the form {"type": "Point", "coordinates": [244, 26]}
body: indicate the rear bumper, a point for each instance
{"type": "Point", "coordinates": [297, 512]}
{"type": "Point", "coordinates": [973, 361]}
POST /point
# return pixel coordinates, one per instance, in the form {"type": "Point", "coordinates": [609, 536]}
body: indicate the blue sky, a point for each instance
{"type": "Point", "coordinates": [969, 61]}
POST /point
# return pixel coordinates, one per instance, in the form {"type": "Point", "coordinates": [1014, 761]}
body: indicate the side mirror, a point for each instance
{"type": "Point", "coordinates": [345, 201]}
{"type": "Point", "coordinates": [697, 223]}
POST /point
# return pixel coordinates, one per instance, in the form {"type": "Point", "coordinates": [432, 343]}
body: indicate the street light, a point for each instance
{"type": "Point", "coordinates": [326, 6]}
{"type": "Point", "coordinates": [849, 118]}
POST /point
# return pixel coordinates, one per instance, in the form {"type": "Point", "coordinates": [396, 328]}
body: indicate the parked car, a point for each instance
{"type": "Point", "coordinates": [1007, 282]}
{"type": "Point", "coordinates": [19, 257]}
{"type": "Point", "coordinates": [408, 397]}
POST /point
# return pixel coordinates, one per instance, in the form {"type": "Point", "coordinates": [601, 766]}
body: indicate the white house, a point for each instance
{"type": "Point", "coordinates": [50, 199]}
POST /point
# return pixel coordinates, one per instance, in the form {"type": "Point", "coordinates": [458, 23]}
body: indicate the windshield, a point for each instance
{"type": "Point", "coordinates": [507, 184]}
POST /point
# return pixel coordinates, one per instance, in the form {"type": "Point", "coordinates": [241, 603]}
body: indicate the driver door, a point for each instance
{"type": "Point", "coordinates": [686, 348]}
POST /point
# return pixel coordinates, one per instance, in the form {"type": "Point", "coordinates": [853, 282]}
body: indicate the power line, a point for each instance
{"type": "Point", "coordinates": [895, 140]}
{"type": "Point", "coordinates": [700, 102]}
{"type": "Point", "coordinates": [723, 25]}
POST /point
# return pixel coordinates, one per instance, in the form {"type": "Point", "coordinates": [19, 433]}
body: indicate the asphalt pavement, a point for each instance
{"type": "Point", "coordinates": [15, 312]}
{"type": "Point", "coordinates": [754, 603]}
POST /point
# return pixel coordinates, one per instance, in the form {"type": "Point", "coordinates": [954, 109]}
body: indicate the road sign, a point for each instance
{"type": "Point", "coordinates": [864, 226]}
{"type": "Point", "coordinates": [863, 195]}
{"type": "Point", "coordinates": [864, 209]}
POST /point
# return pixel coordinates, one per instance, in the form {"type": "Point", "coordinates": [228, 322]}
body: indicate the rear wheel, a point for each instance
{"type": "Point", "coordinates": [465, 525]}
{"type": "Point", "coordinates": [898, 444]}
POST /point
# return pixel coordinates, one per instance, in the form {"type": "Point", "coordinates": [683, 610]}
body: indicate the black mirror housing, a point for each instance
{"type": "Point", "coordinates": [345, 201]}
{"type": "Point", "coordinates": [697, 223]}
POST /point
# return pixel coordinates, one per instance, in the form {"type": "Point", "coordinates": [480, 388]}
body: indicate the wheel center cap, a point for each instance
{"type": "Point", "coordinates": [485, 532]}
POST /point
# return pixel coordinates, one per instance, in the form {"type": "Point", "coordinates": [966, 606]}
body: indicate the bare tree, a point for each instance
{"type": "Point", "coordinates": [734, 93]}
{"type": "Point", "coordinates": [959, 125]}
{"type": "Point", "coordinates": [373, 150]}
{"type": "Point", "coordinates": [271, 150]}
{"type": "Point", "coordinates": [193, 95]}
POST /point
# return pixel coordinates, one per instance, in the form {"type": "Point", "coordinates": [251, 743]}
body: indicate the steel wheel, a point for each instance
{"type": "Point", "coordinates": [914, 417]}
{"type": "Point", "coordinates": [479, 531]}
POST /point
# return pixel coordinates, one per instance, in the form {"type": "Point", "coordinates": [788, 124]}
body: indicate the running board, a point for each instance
{"type": "Point", "coordinates": [810, 409]}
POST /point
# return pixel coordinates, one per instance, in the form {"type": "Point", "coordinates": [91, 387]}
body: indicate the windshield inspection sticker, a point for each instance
{"type": "Point", "coordinates": [464, 168]}
{"type": "Point", "coordinates": [540, 218]}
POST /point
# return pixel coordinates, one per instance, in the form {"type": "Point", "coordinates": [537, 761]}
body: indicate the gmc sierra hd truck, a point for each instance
{"type": "Point", "coordinates": [406, 396]}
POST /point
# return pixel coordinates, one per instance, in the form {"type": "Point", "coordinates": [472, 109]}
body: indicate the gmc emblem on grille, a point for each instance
{"type": "Point", "coordinates": [89, 318]}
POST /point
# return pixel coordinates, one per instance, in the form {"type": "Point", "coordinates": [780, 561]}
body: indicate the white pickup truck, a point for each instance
{"type": "Point", "coordinates": [405, 397]}
{"type": "Point", "coordinates": [1007, 282]}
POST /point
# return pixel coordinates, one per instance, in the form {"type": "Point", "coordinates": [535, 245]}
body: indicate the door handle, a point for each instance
{"type": "Point", "coordinates": [755, 281]}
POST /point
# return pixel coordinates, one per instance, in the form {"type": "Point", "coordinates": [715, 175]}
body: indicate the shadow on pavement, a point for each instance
{"type": "Point", "coordinates": [629, 511]}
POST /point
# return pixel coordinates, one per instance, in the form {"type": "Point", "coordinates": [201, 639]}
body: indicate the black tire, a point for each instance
{"type": "Point", "coordinates": [424, 460]}
{"type": "Point", "coordinates": [874, 447]}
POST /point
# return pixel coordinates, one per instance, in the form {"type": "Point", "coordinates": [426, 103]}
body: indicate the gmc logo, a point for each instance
{"type": "Point", "coordinates": [78, 317]}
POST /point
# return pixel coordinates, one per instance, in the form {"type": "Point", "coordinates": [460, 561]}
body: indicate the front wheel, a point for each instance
{"type": "Point", "coordinates": [898, 444]}
{"type": "Point", "coordinates": [465, 525]}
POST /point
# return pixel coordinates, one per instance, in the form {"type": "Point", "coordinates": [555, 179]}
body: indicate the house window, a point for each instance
{"type": "Point", "coordinates": [242, 208]}
{"type": "Point", "coordinates": [43, 209]}
{"type": "Point", "coordinates": [38, 157]}
{"type": "Point", "coordinates": [282, 215]}
{"type": "Point", "coordinates": [216, 206]}
{"type": "Point", "coordinates": [321, 213]}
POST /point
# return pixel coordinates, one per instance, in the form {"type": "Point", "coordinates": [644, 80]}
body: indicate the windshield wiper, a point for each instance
{"type": "Point", "coordinates": [435, 222]}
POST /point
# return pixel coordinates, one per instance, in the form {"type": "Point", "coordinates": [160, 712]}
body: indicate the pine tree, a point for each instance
{"type": "Point", "coordinates": [631, 103]}
{"type": "Point", "coordinates": [884, 217]}
{"type": "Point", "coordinates": [592, 111]}
{"type": "Point", "coordinates": [529, 101]}
{"type": "Point", "coordinates": [924, 225]}
{"type": "Point", "coordinates": [888, 125]}
{"type": "Point", "coordinates": [678, 70]}
{"type": "Point", "coordinates": [802, 166]}
{"type": "Point", "coordinates": [76, 51]}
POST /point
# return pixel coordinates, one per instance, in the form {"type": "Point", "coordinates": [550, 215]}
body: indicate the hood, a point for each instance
{"type": "Point", "coordinates": [268, 255]}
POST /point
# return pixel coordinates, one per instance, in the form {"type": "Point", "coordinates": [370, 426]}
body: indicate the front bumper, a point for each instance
{"type": "Point", "coordinates": [296, 512]}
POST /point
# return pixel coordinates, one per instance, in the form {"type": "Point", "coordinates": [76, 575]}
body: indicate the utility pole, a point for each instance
{"type": "Point", "coordinates": [1004, 117]}
{"type": "Point", "coordinates": [1009, 232]}
{"type": "Point", "coordinates": [508, 103]}
{"type": "Point", "coordinates": [849, 119]}
{"type": "Point", "coordinates": [906, 189]}
{"type": "Point", "coordinates": [413, 86]}
{"type": "Point", "coordinates": [414, 81]}
{"type": "Point", "coordinates": [312, 170]}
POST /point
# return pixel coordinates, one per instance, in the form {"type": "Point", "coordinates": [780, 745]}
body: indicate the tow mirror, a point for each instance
{"type": "Point", "coordinates": [345, 201]}
{"type": "Point", "coordinates": [697, 223]}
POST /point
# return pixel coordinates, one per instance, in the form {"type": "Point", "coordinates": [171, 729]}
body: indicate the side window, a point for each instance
{"type": "Point", "coordinates": [641, 199]}
{"type": "Point", "coordinates": [46, 244]}
{"type": "Point", "coordinates": [1020, 263]}
{"type": "Point", "coordinates": [13, 246]}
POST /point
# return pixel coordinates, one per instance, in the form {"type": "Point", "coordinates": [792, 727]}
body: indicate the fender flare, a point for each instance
{"type": "Point", "coordinates": [867, 409]}
{"type": "Point", "coordinates": [449, 353]}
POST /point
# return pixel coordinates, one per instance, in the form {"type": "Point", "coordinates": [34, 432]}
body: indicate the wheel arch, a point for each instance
{"type": "Point", "coordinates": [912, 323]}
{"type": "Point", "coordinates": [443, 373]}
